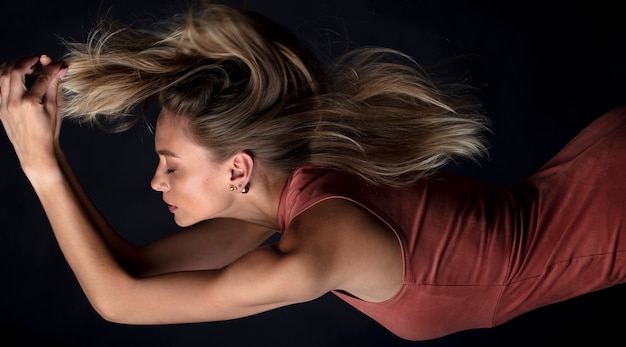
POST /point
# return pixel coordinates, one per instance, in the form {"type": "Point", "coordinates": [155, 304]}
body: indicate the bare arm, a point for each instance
{"type": "Point", "coordinates": [332, 245]}
{"type": "Point", "coordinates": [208, 245]}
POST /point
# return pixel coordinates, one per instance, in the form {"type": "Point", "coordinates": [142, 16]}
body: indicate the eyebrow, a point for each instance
{"type": "Point", "coordinates": [167, 153]}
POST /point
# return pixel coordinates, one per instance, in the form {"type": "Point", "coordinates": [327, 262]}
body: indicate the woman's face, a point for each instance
{"type": "Point", "coordinates": [195, 186]}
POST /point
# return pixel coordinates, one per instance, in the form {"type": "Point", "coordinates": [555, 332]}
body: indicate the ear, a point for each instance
{"type": "Point", "coordinates": [241, 169]}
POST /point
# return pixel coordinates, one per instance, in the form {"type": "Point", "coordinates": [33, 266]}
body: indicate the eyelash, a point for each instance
{"type": "Point", "coordinates": [169, 171]}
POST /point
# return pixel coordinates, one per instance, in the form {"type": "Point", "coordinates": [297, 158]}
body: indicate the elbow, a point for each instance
{"type": "Point", "coordinates": [109, 311]}
{"type": "Point", "coordinates": [112, 304]}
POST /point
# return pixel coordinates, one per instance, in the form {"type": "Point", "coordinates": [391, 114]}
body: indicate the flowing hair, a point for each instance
{"type": "Point", "coordinates": [245, 84]}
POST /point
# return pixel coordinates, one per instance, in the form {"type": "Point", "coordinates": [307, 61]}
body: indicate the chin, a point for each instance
{"type": "Point", "coordinates": [183, 223]}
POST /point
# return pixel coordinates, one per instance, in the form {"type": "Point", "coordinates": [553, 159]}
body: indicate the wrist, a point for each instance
{"type": "Point", "coordinates": [43, 170]}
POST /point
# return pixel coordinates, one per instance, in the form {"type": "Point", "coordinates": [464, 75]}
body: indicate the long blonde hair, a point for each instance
{"type": "Point", "coordinates": [246, 85]}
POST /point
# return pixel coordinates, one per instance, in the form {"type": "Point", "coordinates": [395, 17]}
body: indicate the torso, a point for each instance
{"type": "Point", "coordinates": [475, 256]}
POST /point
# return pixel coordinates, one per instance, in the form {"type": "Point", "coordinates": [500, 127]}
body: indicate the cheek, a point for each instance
{"type": "Point", "coordinates": [190, 190]}
{"type": "Point", "coordinates": [204, 193]}
{"type": "Point", "coordinates": [201, 197]}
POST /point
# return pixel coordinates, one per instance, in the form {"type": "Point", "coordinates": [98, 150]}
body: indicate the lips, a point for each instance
{"type": "Point", "coordinates": [171, 208]}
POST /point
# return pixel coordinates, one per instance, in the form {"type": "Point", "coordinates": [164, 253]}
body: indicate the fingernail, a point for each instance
{"type": "Point", "coordinates": [62, 73]}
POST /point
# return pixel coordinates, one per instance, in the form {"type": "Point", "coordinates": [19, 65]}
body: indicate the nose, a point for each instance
{"type": "Point", "coordinates": [159, 181]}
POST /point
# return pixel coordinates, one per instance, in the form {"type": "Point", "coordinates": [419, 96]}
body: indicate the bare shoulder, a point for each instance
{"type": "Point", "coordinates": [351, 245]}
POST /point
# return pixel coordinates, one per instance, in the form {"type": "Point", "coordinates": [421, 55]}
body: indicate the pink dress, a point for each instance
{"type": "Point", "coordinates": [476, 256]}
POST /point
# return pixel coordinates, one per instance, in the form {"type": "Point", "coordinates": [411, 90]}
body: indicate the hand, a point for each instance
{"type": "Point", "coordinates": [31, 117]}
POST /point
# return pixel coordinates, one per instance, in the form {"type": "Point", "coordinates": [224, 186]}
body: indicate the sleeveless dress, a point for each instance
{"type": "Point", "coordinates": [476, 256]}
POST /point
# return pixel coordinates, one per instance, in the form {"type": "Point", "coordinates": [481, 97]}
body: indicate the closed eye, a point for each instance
{"type": "Point", "coordinates": [169, 171]}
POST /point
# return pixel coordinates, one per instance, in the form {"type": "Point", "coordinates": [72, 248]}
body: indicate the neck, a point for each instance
{"type": "Point", "coordinates": [260, 204]}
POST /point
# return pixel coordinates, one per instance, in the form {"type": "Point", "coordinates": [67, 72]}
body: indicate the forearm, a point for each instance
{"type": "Point", "coordinates": [31, 122]}
{"type": "Point", "coordinates": [85, 250]}
{"type": "Point", "coordinates": [211, 244]}
{"type": "Point", "coordinates": [122, 250]}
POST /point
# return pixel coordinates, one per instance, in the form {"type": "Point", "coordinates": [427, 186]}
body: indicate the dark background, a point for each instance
{"type": "Point", "coordinates": [544, 70]}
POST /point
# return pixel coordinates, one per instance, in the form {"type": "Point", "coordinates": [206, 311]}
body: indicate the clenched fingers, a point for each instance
{"type": "Point", "coordinates": [13, 87]}
{"type": "Point", "coordinates": [30, 115]}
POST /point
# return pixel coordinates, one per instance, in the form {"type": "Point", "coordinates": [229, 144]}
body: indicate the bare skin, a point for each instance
{"type": "Point", "coordinates": [214, 269]}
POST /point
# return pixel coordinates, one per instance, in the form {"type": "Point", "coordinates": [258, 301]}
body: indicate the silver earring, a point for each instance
{"type": "Point", "coordinates": [246, 189]}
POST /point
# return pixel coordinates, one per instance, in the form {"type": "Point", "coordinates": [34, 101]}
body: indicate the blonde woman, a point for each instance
{"type": "Point", "coordinates": [346, 164]}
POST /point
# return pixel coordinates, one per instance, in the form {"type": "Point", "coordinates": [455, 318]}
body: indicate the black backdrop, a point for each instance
{"type": "Point", "coordinates": [544, 69]}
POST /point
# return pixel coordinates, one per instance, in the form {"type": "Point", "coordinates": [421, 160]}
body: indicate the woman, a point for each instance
{"type": "Point", "coordinates": [253, 138]}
